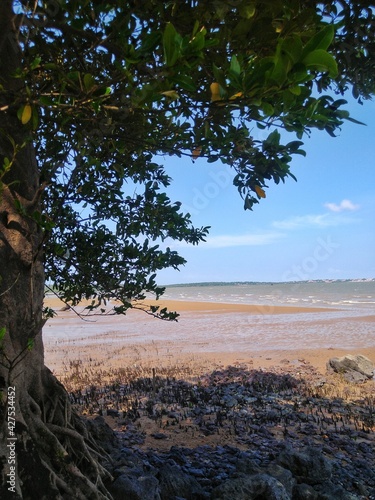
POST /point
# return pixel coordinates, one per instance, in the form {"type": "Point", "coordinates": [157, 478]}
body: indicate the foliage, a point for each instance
{"type": "Point", "coordinates": [110, 86]}
{"type": "Point", "coordinates": [353, 46]}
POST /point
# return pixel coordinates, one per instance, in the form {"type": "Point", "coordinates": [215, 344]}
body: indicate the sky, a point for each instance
{"type": "Point", "coordinates": [320, 227]}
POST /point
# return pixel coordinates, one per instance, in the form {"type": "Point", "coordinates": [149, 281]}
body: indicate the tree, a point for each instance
{"type": "Point", "coordinates": [91, 93]}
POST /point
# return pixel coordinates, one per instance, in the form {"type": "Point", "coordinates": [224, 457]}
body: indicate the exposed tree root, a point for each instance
{"type": "Point", "coordinates": [56, 456]}
{"type": "Point", "coordinates": [85, 451]}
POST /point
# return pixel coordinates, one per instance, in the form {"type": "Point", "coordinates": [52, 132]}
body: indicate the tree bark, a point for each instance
{"type": "Point", "coordinates": [42, 440]}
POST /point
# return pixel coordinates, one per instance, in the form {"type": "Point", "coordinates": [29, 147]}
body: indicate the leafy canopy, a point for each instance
{"type": "Point", "coordinates": [110, 86]}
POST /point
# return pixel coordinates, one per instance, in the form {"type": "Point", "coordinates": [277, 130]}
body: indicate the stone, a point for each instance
{"type": "Point", "coordinates": [176, 483]}
{"type": "Point", "coordinates": [102, 433]}
{"type": "Point", "coordinates": [256, 487]}
{"type": "Point", "coordinates": [356, 363]}
{"type": "Point", "coordinates": [309, 467]}
{"type": "Point", "coordinates": [284, 476]}
{"type": "Point", "coordinates": [194, 471]}
{"type": "Point", "coordinates": [247, 466]}
{"type": "Point", "coordinates": [330, 491]}
{"type": "Point", "coordinates": [159, 435]}
{"type": "Point", "coordinates": [111, 412]}
{"type": "Point", "coordinates": [354, 377]}
{"type": "Point", "coordinates": [304, 491]}
{"type": "Point", "coordinates": [177, 455]}
{"type": "Point", "coordinates": [131, 488]}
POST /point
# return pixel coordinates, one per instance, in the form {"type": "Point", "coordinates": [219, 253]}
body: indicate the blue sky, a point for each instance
{"type": "Point", "coordinates": [320, 227]}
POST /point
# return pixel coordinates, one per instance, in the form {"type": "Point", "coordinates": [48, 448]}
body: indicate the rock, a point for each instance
{"type": "Point", "coordinates": [159, 435]}
{"type": "Point", "coordinates": [111, 412]}
{"type": "Point", "coordinates": [258, 486]}
{"type": "Point", "coordinates": [309, 467]}
{"type": "Point", "coordinates": [320, 433]}
{"type": "Point", "coordinates": [247, 466]}
{"type": "Point", "coordinates": [361, 488]}
{"type": "Point", "coordinates": [229, 401]}
{"type": "Point", "coordinates": [350, 363]}
{"type": "Point", "coordinates": [284, 476]}
{"type": "Point", "coordinates": [131, 488]}
{"type": "Point", "coordinates": [177, 455]}
{"type": "Point", "coordinates": [175, 483]}
{"type": "Point", "coordinates": [354, 377]}
{"type": "Point", "coordinates": [304, 491]}
{"type": "Point", "coordinates": [102, 433]}
{"type": "Point", "coordinates": [196, 472]}
{"type": "Point", "coordinates": [330, 491]}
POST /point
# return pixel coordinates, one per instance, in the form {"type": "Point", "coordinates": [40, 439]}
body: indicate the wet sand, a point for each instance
{"type": "Point", "coordinates": [111, 342]}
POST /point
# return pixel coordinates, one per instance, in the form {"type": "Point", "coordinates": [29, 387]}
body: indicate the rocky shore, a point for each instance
{"type": "Point", "coordinates": [235, 433]}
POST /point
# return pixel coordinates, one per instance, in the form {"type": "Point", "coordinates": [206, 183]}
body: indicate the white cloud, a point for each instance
{"type": "Point", "coordinates": [296, 222]}
{"type": "Point", "coordinates": [233, 240]}
{"type": "Point", "coordinates": [252, 239]}
{"type": "Point", "coordinates": [344, 205]}
{"type": "Point", "coordinates": [311, 221]}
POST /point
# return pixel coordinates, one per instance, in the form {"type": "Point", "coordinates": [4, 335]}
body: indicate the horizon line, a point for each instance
{"type": "Point", "coordinates": [203, 283]}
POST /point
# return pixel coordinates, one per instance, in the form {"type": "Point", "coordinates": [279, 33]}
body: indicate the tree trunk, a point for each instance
{"type": "Point", "coordinates": [42, 440]}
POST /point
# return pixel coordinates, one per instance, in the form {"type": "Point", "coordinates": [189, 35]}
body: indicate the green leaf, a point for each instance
{"type": "Point", "coordinates": [171, 50]}
{"type": "Point", "coordinates": [296, 90]}
{"type": "Point", "coordinates": [34, 118]}
{"type": "Point", "coordinates": [198, 42]}
{"type": "Point", "coordinates": [294, 145]}
{"type": "Point", "coordinates": [321, 60]}
{"type": "Point", "coordinates": [299, 74]}
{"type": "Point", "coordinates": [149, 43]}
{"type": "Point", "coordinates": [321, 41]}
{"type": "Point", "coordinates": [247, 11]}
{"type": "Point", "coordinates": [219, 76]}
{"type": "Point", "coordinates": [280, 71]}
{"type": "Point", "coordinates": [35, 63]}
{"type": "Point", "coordinates": [3, 331]}
{"type": "Point", "coordinates": [292, 47]}
{"type": "Point", "coordinates": [267, 108]}
{"type": "Point", "coordinates": [51, 66]}
{"type": "Point", "coordinates": [249, 202]}
{"type": "Point", "coordinates": [274, 138]}
{"type": "Point", "coordinates": [185, 82]}
{"type": "Point", "coordinates": [235, 67]}
{"type": "Point", "coordinates": [353, 120]}
{"type": "Point", "coordinates": [6, 163]}
{"type": "Point", "coordinates": [88, 81]}
{"type": "Point", "coordinates": [46, 101]}
{"type": "Point", "coordinates": [196, 28]}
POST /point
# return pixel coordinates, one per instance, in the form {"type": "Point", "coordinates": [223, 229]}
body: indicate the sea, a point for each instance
{"type": "Point", "coordinates": [353, 295]}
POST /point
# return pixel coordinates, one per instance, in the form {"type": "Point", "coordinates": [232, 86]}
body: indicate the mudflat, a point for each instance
{"type": "Point", "coordinates": [207, 335]}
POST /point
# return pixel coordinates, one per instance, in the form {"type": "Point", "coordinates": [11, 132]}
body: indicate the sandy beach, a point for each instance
{"type": "Point", "coordinates": [106, 343]}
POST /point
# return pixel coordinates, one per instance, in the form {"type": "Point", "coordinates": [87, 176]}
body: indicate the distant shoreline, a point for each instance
{"type": "Point", "coordinates": [234, 283]}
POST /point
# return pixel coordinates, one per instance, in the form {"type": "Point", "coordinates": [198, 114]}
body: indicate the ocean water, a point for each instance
{"type": "Point", "coordinates": [350, 295]}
